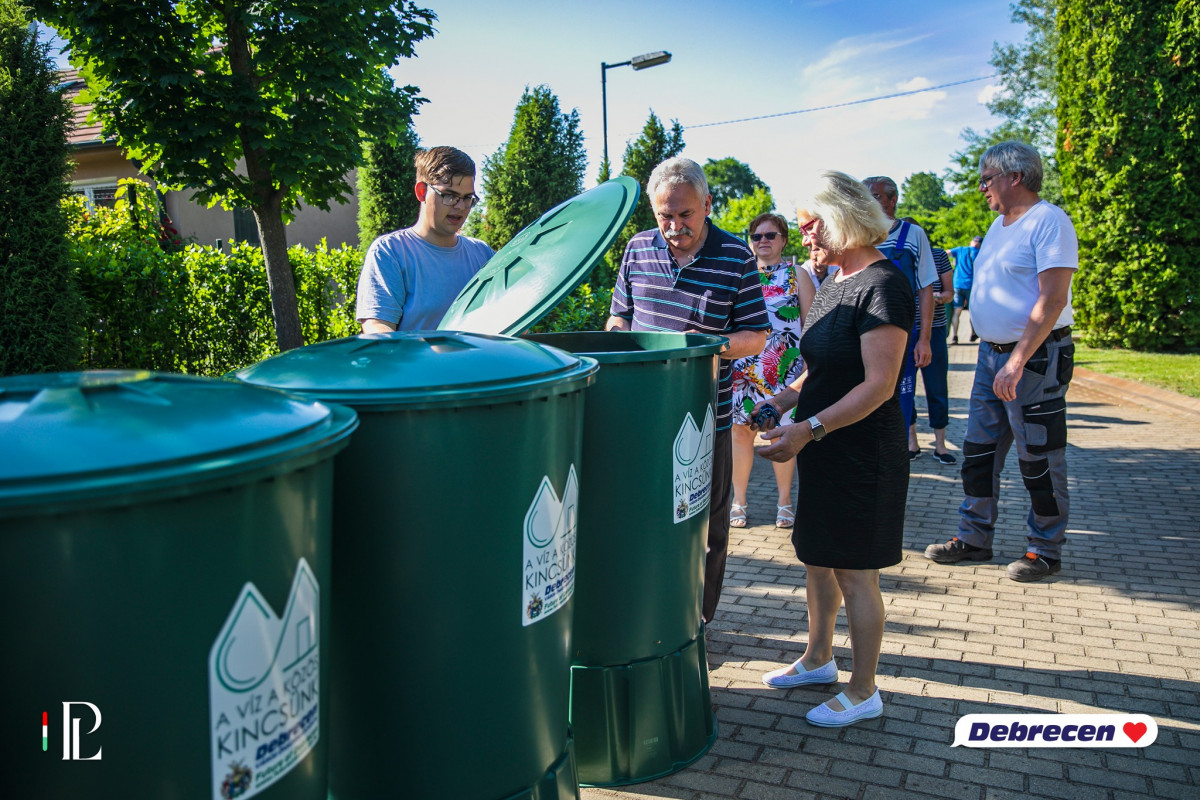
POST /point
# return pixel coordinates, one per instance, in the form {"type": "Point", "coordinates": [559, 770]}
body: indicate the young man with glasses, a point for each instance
{"type": "Point", "coordinates": [1021, 309]}
{"type": "Point", "coordinates": [410, 277]}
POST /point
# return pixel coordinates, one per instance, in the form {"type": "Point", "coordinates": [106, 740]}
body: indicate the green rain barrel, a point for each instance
{"type": "Point", "coordinates": [164, 575]}
{"type": "Point", "coordinates": [454, 561]}
{"type": "Point", "coordinates": [640, 704]}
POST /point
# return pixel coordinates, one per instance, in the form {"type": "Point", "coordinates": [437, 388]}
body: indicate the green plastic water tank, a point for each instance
{"type": "Point", "coordinates": [454, 561]}
{"type": "Point", "coordinates": [640, 703]}
{"type": "Point", "coordinates": [164, 574]}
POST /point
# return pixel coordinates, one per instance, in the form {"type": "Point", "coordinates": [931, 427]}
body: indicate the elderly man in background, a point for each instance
{"type": "Point", "coordinates": [908, 247]}
{"type": "Point", "coordinates": [688, 275]}
{"type": "Point", "coordinates": [1021, 299]}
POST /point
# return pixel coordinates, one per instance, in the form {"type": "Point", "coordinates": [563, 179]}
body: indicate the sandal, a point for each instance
{"type": "Point", "coordinates": [737, 516]}
{"type": "Point", "coordinates": [785, 517]}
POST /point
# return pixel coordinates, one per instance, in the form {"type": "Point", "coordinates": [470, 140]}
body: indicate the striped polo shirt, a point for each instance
{"type": "Point", "coordinates": [719, 293]}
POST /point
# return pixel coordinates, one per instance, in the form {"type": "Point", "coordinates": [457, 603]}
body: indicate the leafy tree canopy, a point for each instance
{"type": "Point", "coordinates": [1029, 75]}
{"type": "Point", "coordinates": [250, 104]}
{"type": "Point", "coordinates": [741, 211]}
{"type": "Point", "coordinates": [922, 193]}
{"type": "Point", "coordinates": [729, 179]}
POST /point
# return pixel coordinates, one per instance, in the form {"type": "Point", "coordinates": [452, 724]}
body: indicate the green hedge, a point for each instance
{"type": "Point", "coordinates": [197, 310]}
{"type": "Point", "coordinates": [1129, 151]}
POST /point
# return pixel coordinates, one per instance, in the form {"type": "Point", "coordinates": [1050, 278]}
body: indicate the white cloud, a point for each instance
{"type": "Point", "coordinates": [988, 93]}
{"type": "Point", "coordinates": [859, 51]}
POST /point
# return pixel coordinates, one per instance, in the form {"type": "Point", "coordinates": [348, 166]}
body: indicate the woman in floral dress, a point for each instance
{"type": "Point", "coordinates": [759, 377]}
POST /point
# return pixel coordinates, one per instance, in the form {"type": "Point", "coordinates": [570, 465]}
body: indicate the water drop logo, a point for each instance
{"type": "Point", "coordinates": [691, 459]}
{"type": "Point", "coordinates": [264, 672]}
{"type": "Point", "coordinates": [548, 576]}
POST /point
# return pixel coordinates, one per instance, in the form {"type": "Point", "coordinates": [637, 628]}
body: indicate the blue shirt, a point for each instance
{"type": "Point", "coordinates": [411, 283]}
{"type": "Point", "coordinates": [718, 293]}
{"type": "Point", "coordinates": [964, 266]}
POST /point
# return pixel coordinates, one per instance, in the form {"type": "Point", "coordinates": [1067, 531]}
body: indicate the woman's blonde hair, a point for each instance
{"type": "Point", "coordinates": [850, 215]}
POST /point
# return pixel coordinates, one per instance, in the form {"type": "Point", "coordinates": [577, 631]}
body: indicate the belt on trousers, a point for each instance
{"type": "Point", "coordinates": [1057, 335]}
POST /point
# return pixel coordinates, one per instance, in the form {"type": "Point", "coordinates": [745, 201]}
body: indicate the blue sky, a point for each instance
{"type": "Point", "coordinates": [730, 61]}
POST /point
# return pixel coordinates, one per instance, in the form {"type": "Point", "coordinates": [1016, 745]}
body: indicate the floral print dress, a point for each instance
{"type": "Point", "coordinates": [755, 378]}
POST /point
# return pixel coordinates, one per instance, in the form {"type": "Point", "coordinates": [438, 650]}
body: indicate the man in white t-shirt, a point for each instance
{"type": "Point", "coordinates": [410, 277]}
{"type": "Point", "coordinates": [1021, 309]}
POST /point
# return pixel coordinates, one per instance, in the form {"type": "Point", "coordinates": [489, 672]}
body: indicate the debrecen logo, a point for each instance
{"type": "Point", "coordinates": [1055, 730]}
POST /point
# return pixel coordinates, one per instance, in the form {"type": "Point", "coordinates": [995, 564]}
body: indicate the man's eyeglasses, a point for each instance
{"type": "Point", "coordinates": [769, 236]}
{"type": "Point", "coordinates": [452, 199]}
{"type": "Point", "coordinates": [986, 180]}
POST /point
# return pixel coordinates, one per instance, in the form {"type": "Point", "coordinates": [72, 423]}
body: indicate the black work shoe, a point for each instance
{"type": "Point", "coordinates": [1032, 567]}
{"type": "Point", "coordinates": [957, 550]}
{"type": "Point", "coordinates": [913, 455]}
{"type": "Point", "coordinates": [944, 458]}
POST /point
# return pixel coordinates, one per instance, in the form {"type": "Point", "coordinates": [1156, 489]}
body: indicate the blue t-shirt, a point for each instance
{"type": "Point", "coordinates": [964, 266]}
{"type": "Point", "coordinates": [718, 293]}
{"type": "Point", "coordinates": [411, 283]}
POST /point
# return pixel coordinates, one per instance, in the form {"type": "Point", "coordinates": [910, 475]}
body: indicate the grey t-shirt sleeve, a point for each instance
{"type": "Point", "coordinates": [381, 287]}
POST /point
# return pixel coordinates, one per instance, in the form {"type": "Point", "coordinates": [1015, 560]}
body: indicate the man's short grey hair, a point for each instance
{"type": "Point", "coordinates": [889, 185]}
{"type": "Point", "coordinates": [1014, 157]}
{"type": "Point", "coordinates": [850, 216]}
{"type": "Point", "coordinates": [676, 171]}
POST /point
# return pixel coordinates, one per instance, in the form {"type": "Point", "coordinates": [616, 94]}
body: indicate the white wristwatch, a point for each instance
{"type": "Point", "coordinates": [818, 430]}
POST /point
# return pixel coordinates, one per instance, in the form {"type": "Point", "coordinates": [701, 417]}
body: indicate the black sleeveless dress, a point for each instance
{"type": "Point", "coordinates": [854, 482]}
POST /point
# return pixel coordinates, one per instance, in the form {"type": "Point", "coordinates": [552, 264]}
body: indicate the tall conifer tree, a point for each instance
{"type": "Point", "coordinates": [39, 306]}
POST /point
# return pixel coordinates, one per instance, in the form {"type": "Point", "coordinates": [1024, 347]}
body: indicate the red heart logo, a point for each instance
{"type": "Point", "coordinates": [1135, 731]}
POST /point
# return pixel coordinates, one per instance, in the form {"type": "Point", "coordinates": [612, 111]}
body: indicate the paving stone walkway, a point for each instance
{"type": "Point", "coordinates": [1118, 630]}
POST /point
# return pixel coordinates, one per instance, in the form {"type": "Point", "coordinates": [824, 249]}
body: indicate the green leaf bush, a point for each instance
{"type": "Point", "coordinates": [196, 310]}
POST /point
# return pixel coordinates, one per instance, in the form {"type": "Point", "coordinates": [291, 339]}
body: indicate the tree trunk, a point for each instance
{"type": "Point", "coordinates": [273, 237]}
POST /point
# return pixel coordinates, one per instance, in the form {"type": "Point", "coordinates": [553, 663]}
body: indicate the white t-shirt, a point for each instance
{"type": "Point", "coordinates": [407, 281]}
{"type": "Point", "coordinates": [1006, 270]}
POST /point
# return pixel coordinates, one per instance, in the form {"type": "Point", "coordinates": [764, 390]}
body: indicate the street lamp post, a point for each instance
{"type": "Point", "coordinates": [644, 61]}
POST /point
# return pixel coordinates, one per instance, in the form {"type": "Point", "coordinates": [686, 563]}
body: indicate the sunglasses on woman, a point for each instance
{"type": "Point", "coordinates": [770, 237]}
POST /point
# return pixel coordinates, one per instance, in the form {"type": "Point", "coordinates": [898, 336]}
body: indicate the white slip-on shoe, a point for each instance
{"type": "Point", "coordinates": [821, 675]}
{"type": "Point", "coordinates": [825, 717]}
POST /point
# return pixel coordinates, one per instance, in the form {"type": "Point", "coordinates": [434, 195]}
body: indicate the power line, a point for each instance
{"type": "Point", "coordinates": [841, 105]}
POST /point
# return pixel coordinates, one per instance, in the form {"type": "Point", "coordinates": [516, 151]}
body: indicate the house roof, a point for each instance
{"type": "Point", "coordinates": [82, 133]}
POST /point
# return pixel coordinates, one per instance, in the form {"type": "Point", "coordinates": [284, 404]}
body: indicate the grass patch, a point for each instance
{"type": "Point", "coordinates": [1175, 371]}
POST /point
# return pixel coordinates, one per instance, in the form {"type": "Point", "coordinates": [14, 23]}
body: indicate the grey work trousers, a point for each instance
{"type": "Point", "coordinates": [1037, 423]}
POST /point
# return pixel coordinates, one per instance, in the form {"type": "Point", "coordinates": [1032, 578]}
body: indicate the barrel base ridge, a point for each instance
{"type": "Point", "coordinates": [641, 721]}
{"type": "Point", "coordinates": [561, 781]}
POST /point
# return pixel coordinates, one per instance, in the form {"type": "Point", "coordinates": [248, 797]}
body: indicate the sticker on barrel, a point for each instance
{"type": "Point", "coordinates": [548, 577]}
{"type": "Point", "coordinates": [263, 674]}
{"type": "Point", "coordinates": [692, 460]}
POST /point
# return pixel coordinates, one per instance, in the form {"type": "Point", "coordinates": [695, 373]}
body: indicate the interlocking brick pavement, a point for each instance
{"type": "Point", "coordinates": [1118, 630]}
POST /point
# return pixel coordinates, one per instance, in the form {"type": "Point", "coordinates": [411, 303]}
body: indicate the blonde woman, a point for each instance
{"type": "Point", "coordinates": [850, 440]}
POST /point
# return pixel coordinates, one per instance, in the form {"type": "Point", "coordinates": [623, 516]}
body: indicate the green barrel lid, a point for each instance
{"type": "Point", "coordinates": [544, 263]}
{"type": "Point", "coordinates": [422, 369]}
{"type": "Point", "coordinates": [115, 436]}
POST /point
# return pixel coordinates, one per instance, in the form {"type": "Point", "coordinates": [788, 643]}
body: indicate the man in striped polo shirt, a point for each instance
{"type": "Point", "coordinates": [691, 276]}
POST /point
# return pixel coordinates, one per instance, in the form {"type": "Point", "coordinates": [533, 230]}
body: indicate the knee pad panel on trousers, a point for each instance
{"type": "Point", "coordinates": [1036, 475]}
{"type": "Point", "coordinates": [979, 462]}
{"type": "Point", "coordinates": [1045, 425]}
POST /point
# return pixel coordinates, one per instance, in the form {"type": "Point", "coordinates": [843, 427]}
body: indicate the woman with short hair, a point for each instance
{"type": "Point", "coordinates": [849, 438]}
